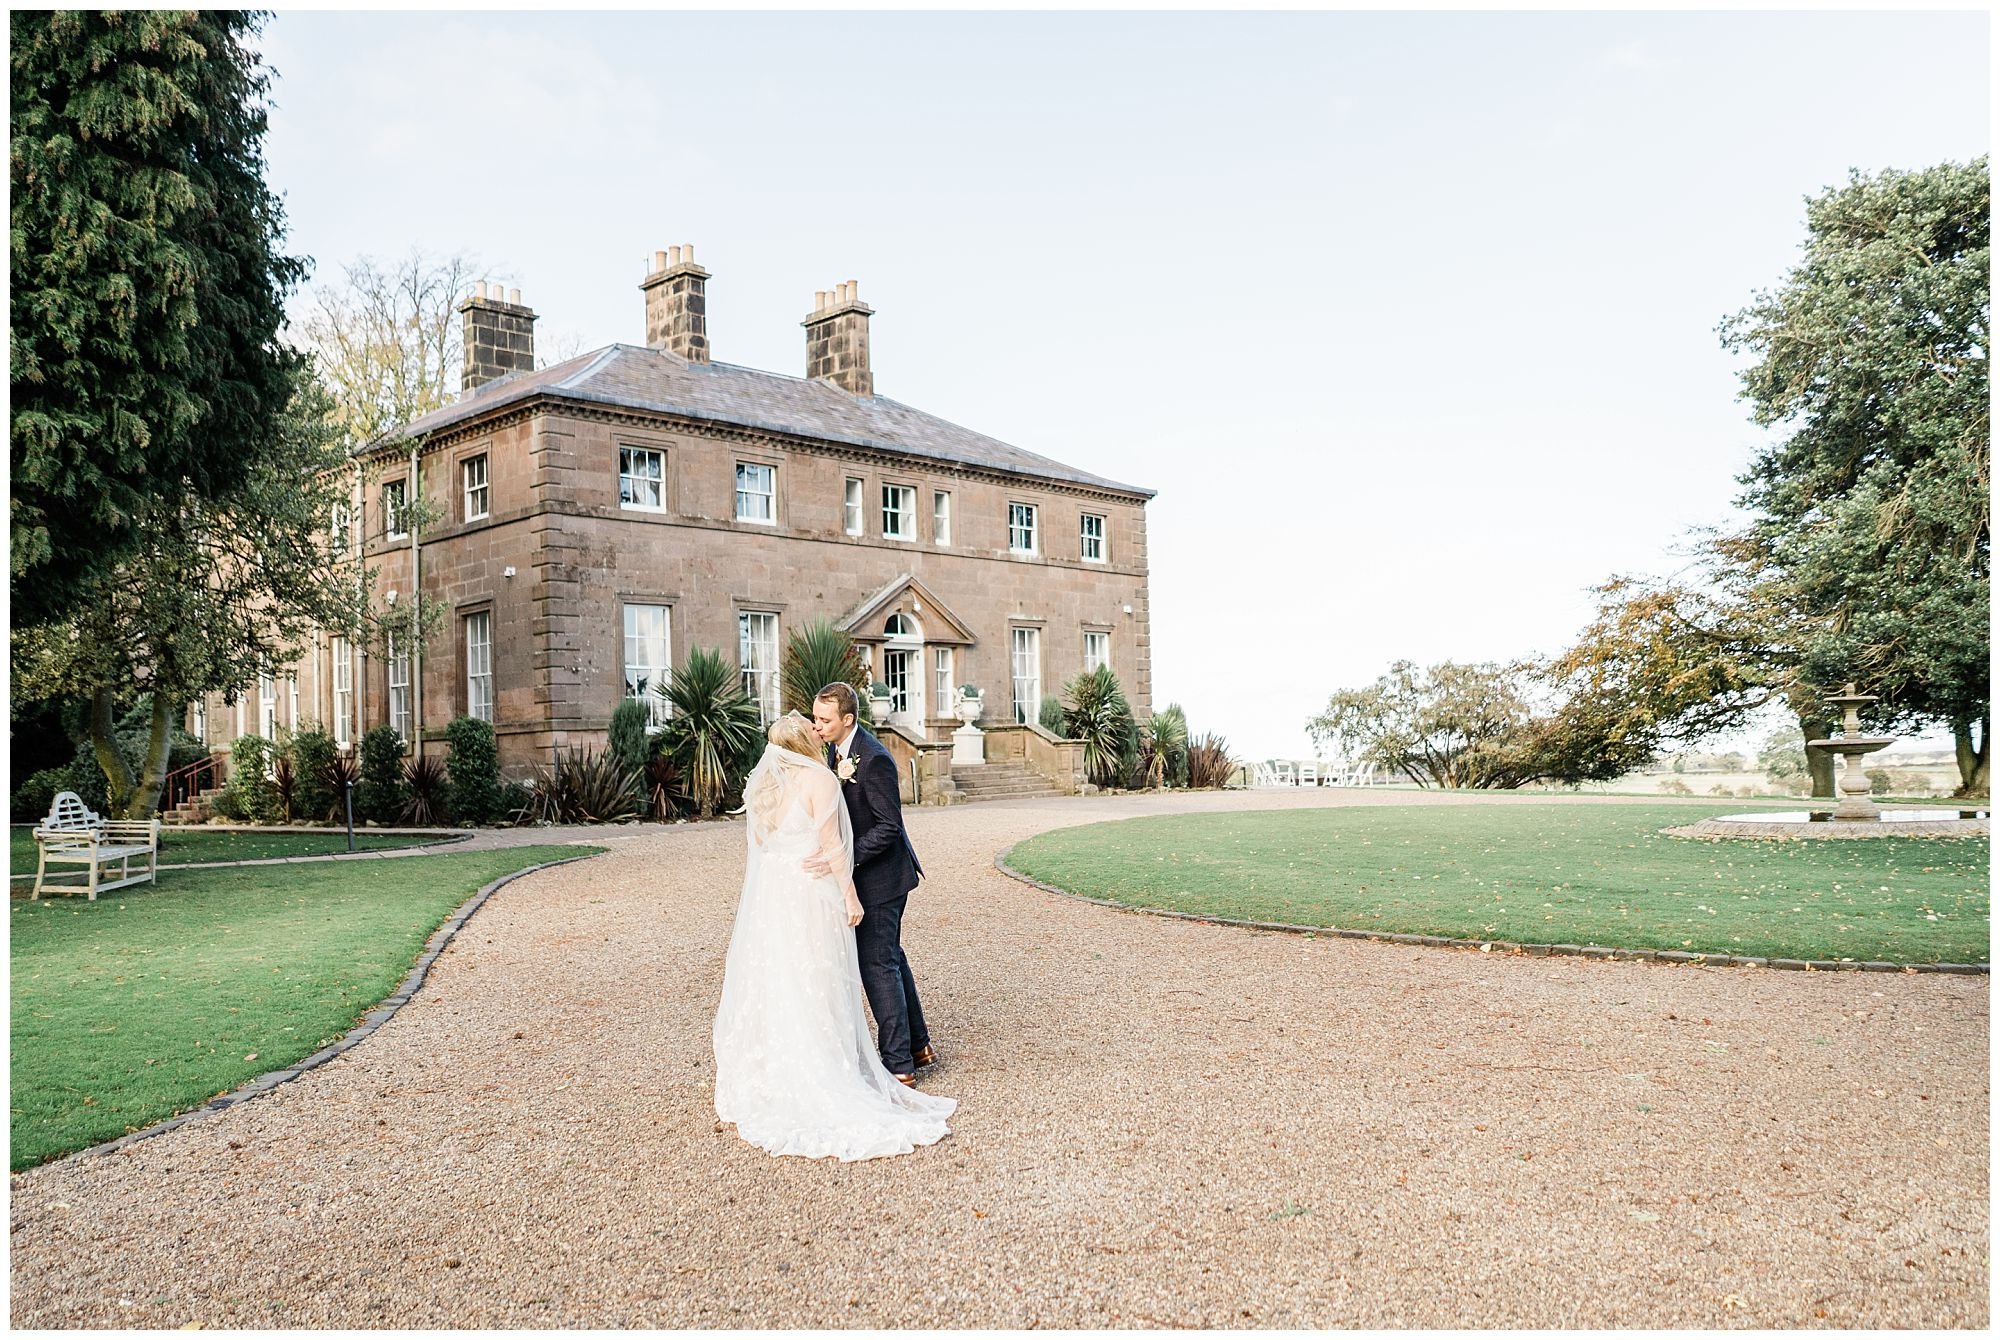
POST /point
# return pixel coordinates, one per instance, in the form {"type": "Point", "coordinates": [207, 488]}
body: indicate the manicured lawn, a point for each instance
{"type": "Point", "coordinates": [201, 846]}
{"type": "Point", "coordinates": [157, 997]}
{"type": "Point", "coordinates": [1561, 874]}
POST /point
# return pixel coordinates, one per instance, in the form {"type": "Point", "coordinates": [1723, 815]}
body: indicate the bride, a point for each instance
{"type": "Point", "coordinates": [795, 1066]}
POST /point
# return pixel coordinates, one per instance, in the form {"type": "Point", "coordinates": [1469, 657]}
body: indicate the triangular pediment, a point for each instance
{"type": "Point", "coordinates": [906, 595]}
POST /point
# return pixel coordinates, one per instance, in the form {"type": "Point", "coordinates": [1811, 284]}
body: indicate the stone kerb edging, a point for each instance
{"type": "Point", "coordinates": [371, 1021]}
{"type": "Point", "coordinates": [1829, 830]}
{"type": "Point", "coordinates": [1515, 947]}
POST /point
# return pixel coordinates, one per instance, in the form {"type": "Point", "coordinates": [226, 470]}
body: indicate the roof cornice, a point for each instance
{"type": "Point", "coordinates": [542, 402]}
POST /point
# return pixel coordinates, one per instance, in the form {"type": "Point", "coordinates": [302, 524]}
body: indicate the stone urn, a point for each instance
{"type": "Point", "coordinates": [968, 708]}
{"type": "Point", "coordinates": [879, 707]}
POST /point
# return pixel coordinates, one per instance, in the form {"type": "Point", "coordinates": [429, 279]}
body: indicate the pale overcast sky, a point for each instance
{"type": "Point", "coordinates": [1409, 317]}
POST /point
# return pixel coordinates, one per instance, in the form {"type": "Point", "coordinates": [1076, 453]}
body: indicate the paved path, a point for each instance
{"type": "Point", "coordinates": [1161, 1123]}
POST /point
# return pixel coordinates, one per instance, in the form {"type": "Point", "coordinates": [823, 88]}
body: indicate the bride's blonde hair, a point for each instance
{"type": "Point", "coordinates": [791, 732]}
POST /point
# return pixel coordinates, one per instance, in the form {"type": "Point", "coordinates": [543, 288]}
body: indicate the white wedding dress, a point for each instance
{"type": "Point", "coordinates": [796, 1067]}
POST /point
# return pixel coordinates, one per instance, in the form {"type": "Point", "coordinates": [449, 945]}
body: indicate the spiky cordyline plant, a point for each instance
{"type": "Point", "coordinates": [714, 728]}
{"type": "Point", "coordinates": [1095, 712]}
{"type": "Point", "coordinates": [582, 787]}
{"type": "Point", "coordinates": [1170, 738]}
{"type": "Point", "coordinates": [1209, 763]}
{"type": "Point", "coordinates": [425, 791]}
{"type": "Point", "coordinates": [817, 655]}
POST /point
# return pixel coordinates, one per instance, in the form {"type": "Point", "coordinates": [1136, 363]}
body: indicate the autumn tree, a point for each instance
{"type": "Point", "coordinates": [1676, 662]}
{"type": "Point", "coordinates": [386, 340]}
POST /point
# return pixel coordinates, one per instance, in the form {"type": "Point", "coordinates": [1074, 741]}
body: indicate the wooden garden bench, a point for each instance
{"type": "Point", "coordinates": [73, 834]}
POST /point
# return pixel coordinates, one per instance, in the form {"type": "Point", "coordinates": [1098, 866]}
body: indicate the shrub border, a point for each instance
{"type": "Point", "coordinates": [1516, 948]}
{"type": "Point", "coordinates": [382, 1013]}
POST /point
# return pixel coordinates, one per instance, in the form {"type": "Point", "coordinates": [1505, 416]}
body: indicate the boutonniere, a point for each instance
{"type": "Point", "coordinates": [845, 770]}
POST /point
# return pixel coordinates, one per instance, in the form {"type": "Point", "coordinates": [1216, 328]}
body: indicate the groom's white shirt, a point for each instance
{"type": "Point", "coordinates": [846, 746]}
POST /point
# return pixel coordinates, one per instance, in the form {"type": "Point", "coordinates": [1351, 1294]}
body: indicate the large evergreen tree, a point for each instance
{"type": "Point", "coordinates": [147, 284]}
{"type": "Point", "coordinates": [1872, 510]}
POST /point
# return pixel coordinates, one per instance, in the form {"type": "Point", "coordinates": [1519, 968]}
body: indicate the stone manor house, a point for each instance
{"type": "Point", "coordinates": [597, 518]}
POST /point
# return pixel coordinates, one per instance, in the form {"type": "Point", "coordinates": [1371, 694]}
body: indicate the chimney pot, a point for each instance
{"type": "Point", "coordinates": [670, 257]}
{"type": "Point", "coordinates": [514, 296]}
{"type": "Point", "coordinates": [687, 253]}
{"type": "Point", "coordinates": [659, 262]}
{"type": "Point", "coordinates": [479, 290]}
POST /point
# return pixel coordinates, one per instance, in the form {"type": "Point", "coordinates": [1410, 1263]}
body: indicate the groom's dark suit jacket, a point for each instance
{"type": "Point", "coordinates": [885, 864]}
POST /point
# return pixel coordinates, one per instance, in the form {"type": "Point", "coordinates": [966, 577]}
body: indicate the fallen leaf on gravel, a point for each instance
{"type": "Point", "coordinates": [1732, 1300]}
{"type": "Point", "coordinates": [190, 1326]}
{"type": "Point", "coordinates": [689, 1270]}
{"type": "Point", "coordinates": [1643, 1216]}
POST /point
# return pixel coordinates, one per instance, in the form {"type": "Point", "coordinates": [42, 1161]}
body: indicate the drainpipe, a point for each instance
{"type": "Point", "coordinates": [415, 495]}
{"type": "Point", "coordinates": [358, 675]}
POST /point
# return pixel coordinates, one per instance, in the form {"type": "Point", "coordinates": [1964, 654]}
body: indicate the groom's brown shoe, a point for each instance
{"type": "Point", "coordinates": [925, 1056]}
{"type": "Point", "coordinates": [910, 1080]}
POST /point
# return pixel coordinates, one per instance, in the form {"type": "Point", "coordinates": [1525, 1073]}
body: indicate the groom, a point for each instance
{"type": "Point", "coordinates": [885, 870]}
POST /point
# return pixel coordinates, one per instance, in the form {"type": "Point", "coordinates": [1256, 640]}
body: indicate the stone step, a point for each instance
{"type": "Point", "coordinates": [974, 797]}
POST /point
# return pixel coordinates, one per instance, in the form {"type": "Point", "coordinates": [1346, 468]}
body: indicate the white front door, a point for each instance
{"type": "Point", "coordinates": [903, 672]}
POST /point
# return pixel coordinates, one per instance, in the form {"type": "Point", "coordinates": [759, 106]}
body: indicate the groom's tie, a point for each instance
{"type": "Point", "coordinates": [832, 750]}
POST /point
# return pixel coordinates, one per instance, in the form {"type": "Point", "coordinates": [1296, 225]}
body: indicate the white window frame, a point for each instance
{"type": "Point", "coordinates": [292, 695]}
{"type": "Point", "coordinates": [479, 665]}
{"type": "Point", "coordinates": [747, 498]}
{"type": "Point", "coordinates": [267, 706]}
{"type": "Point", "coordinates": [941, 518]}
{"type": "Point", "coordinates": [1101, 638]}
{"type": "Point", "coordinates": [1023, 519]}
{"type": "Point", "coordinates": [855, 520]}
{"type": "Point", "coordinates": [759, 661]}
{"type": "Point", "coordinates": [658, 709]}
{"type": "Point", "coordinates": [1025, 649]}
{"type": "Point", "coordinates": [343, 526]}
{"type": "Point", "coordinates": [201, 720]}
{"type": "Point", "coordinates": [476, 494]}
{"type": "Point", "coordinates": [947, 691]}
{"type": "Point", "coordinates": [904, 512]}
{"type": "Point", "coordinates": [343, 692]}
{"type": "Point", "coordinates": [1088, 540]}
{"type": "Point", "coordinates": [396, 510]}
{"type": "Point", "coordinates": [632, 482]}
{"type": "Point", "coordinates": [399, 690]}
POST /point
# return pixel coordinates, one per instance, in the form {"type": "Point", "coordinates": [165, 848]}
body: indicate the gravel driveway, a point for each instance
{"type": "Point", "coordinates": [1161, 1123]}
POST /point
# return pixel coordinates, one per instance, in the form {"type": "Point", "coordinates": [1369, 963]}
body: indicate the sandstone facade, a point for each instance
{"type": "Point", "coordinates": [562, 549]}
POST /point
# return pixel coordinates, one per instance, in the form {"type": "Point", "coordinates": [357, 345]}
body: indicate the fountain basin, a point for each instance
{"type": "Point", "coordinates": [1782, 825]}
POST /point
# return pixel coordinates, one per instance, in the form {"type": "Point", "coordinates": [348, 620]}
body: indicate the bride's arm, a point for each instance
{"type": "Point", "coordinates": [823, 806]}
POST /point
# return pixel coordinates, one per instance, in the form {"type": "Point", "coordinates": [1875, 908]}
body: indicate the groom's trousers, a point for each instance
{"type": "Point", "coordinates": [891, 990]}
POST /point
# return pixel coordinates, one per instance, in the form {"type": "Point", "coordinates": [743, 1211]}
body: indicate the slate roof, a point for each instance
{"type": "Point", "coordinates": [631, 377]}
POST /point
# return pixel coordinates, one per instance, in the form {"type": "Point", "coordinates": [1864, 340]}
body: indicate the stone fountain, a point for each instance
{"type": "Point", "coordinates": [1856, 816]}
{"type": "Point", "coordinates": [1853, 746]}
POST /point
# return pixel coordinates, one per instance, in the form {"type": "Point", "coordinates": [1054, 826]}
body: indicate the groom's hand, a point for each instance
{"type": "Point", "coordinates": [816, 866]}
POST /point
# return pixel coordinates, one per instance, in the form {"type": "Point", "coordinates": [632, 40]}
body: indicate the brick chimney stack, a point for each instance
{"type": "Point", "coordinates": [837, 339]}
{"type": "Point", "coordinates": [499, 335]}
{"type": "Point", "coordinates": [677, 304]}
